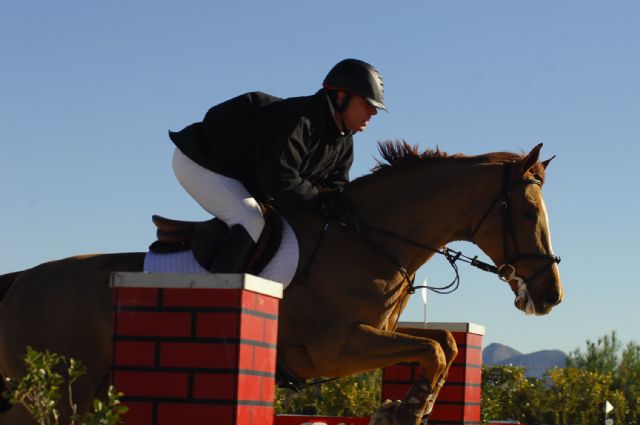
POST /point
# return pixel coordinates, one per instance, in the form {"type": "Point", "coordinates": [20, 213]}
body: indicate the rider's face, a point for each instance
{"type": "Point", "coordinates": [358, 113]}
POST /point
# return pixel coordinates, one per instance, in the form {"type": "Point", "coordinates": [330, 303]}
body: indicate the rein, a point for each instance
{"type": "Point", "coordinates": [451, 255]}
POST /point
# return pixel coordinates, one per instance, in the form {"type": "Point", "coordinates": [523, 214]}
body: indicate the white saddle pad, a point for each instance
{"type": "Point", "coordinates": [281, 268]}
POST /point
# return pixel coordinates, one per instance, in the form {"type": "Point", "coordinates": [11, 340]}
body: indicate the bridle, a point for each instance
{"type": "Point", "coordinates": [506, 272]}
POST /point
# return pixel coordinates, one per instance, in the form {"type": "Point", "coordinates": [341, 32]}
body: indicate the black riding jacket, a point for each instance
{"type": "Point", "coordinates": [274, 146]}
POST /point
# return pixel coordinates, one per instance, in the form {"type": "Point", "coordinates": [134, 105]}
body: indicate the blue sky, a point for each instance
{"type": "Point", "coordinates": [89, 89]}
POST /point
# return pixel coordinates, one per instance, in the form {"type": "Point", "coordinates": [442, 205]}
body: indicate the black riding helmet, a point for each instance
{"type": "Point", "coordinates": [356, 77]}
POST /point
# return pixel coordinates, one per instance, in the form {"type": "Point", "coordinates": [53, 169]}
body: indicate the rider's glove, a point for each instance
{"type": "Point", "coordinates": [333, 204]}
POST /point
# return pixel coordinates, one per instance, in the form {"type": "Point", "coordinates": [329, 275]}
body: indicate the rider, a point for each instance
{"type": "Point", "coordinates": [257, 147]}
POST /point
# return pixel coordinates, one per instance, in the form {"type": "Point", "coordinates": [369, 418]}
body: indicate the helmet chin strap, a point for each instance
{"type": "Point", "coordinates": [507, 273]}
{"type": "Point", "coordinates": [337, 110]}
{"type": "Point", "coordinates": [345, 102]}
{"type": "Point", "coordinates": [341, 108]}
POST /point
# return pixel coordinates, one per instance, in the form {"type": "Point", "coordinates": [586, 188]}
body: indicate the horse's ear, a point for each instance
{"type": "Point", "coordinates": [545, 164]}
{"type": "Point", "coordinates": [529, 160]}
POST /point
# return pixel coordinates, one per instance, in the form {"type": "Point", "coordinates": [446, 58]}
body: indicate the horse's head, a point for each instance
{"type": "Point", "coordinates": [515, 234]}
{"type": "Point", "coordinates": [496, 203]}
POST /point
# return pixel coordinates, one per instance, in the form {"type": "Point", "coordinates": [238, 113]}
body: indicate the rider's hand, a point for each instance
{"type": "Point", "coordinates": [333, 205]}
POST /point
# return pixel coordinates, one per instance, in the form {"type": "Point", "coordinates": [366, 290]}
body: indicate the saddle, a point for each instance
{"type": "Point", "coordinates": [204, 239]}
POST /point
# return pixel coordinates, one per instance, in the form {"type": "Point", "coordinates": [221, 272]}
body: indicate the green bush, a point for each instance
{"type": "Point", "coordinates": [39, 391]}
{"type": "Point", "coordinates": [575, 394]}
{"type": "Point", "coordinates": [357, 395]}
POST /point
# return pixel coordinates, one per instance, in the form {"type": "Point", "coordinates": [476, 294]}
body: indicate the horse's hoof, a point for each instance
{"type": "Point", "coordinates": [382, 416]}
{"type": "Point", "coordinates": [389, 414]}
{"type": "Point", "coordinates": [405, 418]}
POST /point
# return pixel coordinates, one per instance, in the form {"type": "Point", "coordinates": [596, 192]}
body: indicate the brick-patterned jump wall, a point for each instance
{"type": "Point", "coordinates": [195, 349]}
{"type": "Point", "coordinates": [459, 400]}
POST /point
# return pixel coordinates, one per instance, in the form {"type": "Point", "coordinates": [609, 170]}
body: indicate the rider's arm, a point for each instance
{"type": "Point", "coordinates": [340, 176]}
{"type": "Point", "coordinates": [280, 171]}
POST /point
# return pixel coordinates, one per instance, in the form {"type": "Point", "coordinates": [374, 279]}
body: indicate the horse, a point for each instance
{"type": "Point", "coordinates": [339, 316]}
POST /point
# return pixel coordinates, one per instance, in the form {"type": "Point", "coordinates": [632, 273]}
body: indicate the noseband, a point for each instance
{"type": "Point", "coordinates": [507, 271]}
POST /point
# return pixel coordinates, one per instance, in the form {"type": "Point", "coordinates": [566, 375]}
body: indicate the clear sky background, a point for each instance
{"type": "Point", "coordinates": [88, 90]}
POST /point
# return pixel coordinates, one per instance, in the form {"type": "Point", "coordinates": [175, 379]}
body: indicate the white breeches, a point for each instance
{"type": "Point", "coordinates": [221, 196]}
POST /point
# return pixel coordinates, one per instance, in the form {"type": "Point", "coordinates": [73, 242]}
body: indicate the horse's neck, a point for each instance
{"type": "Point", "coordinates": [430, 204]}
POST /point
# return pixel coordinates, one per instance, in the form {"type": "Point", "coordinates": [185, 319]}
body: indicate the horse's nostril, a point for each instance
{"type": "Point", "coordinates": [553, 298]}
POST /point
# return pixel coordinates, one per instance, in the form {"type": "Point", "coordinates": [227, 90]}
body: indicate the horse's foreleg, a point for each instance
{"type": "Point", "coordinates": [372, 348]}
{"type": "Point", "coordinates": [448, 345]}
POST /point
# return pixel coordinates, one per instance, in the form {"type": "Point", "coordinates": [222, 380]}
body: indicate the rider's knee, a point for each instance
{"type": "Point", "coordinates": [252, 219]}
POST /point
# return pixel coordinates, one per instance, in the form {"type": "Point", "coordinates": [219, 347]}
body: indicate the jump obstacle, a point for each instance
{"type": "Point", "coordinates": [201, 349]}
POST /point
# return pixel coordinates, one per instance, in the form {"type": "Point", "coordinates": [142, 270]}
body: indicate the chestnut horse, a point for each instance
{"type": "Point", "coordinates": [341, 318]}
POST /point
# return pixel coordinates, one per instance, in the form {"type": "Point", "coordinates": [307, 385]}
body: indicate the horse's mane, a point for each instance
{"type": "Point", "coordinates": [398, 154]}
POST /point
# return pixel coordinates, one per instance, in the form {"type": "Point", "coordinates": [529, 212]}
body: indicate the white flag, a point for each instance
{"type": "Point", "coordinates": [424, 298]}
{"type": "Point", "coordinates": [608, 407]}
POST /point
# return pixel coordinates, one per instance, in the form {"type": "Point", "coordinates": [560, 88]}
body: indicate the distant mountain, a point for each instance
{"type": "Point", "coordinates": [536, 364]}
{"type": "Point", "coordinates": [495, 353]}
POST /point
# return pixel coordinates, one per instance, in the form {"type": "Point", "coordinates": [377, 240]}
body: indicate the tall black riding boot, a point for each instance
{"type": "Point", "coordinates": [234, 252]}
